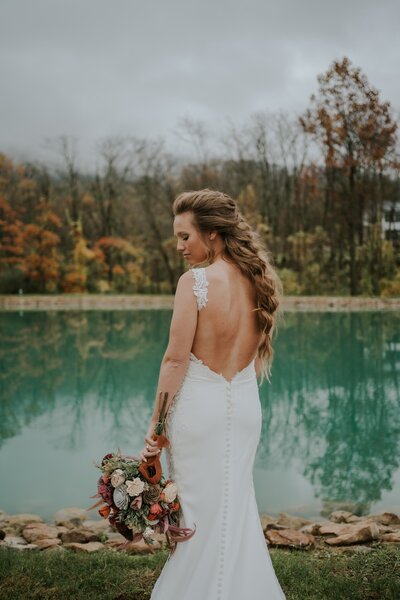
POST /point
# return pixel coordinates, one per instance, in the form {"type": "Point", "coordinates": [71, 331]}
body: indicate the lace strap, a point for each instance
{"type": "Point", "coordinates": [200, 286]}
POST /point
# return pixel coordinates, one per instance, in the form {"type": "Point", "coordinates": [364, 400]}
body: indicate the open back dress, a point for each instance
{"type": "Point", "coordinates": [214, 427]}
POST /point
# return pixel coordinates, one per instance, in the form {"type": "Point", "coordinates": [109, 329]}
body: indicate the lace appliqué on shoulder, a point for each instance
{"type": "Point", "coordinates": [200, 286]}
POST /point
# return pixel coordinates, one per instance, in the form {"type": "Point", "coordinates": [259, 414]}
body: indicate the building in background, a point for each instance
{"type": "Point", "coordinates": [391, 221]}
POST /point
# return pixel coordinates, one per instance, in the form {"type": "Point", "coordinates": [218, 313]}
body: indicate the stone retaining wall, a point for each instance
{"type": "Point", "coordinates": [149, 301]}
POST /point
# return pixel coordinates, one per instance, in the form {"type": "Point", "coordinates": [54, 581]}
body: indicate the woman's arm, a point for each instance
{"type": "Point", "coordinates": [176, 357]}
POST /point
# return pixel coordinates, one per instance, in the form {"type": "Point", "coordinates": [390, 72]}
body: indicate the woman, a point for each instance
{"type": "Point", "coordinates": [220, 341]}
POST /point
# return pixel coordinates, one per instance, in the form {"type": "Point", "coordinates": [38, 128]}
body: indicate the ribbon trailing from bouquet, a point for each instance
{"type": "Point", "coordinates": [176, 534]}
{"type": "Point", "coordinates": [162, 513]}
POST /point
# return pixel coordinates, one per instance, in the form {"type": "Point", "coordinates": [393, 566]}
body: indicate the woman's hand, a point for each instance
{"type": "Point", "coordinates": [150, 448]}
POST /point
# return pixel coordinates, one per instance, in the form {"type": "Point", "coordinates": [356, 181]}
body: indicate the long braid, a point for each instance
{"type": "Point", "coordinates": [216, 211]}
{"type": "Point", "coordinates": [246, 249]}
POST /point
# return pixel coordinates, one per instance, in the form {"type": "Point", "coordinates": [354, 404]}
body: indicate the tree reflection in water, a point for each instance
{"type": "Point", "coordinates": [109, 359]}
{"type": "Point", "coordinates": [334, 404]}
{"type": "Point", "coordinates": [332, 407]}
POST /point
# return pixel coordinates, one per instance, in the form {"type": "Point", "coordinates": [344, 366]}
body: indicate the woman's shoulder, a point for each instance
{"type": "Point", "coordinates": [199, 285]}
{"type": "Point", "coordinates": [214, 274]}
{"type": "Point", "coordinates": [222, 271]}
{"type": "Point", "coordinates": [200, 273]}
{"type": "Point", "coordinates": [200, 276]}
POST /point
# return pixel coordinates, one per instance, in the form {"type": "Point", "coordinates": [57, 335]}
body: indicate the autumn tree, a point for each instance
{"type": "Point", "coordinates": [42, 260]}
{"type": "Point", "coordinates": [155, 207]}
{"type": "Point", "coordinates": [11, 242]}
{"type": "Point", "coordinates": [107, 191]}
{"type": "Point", "coordinates": [357, 135]}
{"type": "Point", "coordinates": [29, 256]}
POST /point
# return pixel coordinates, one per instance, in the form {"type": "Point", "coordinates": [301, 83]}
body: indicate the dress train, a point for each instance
{"type": "Point", "coordinates": [214, 426]}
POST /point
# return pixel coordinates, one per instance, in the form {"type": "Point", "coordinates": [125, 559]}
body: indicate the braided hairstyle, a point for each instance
{"type": "Point", "coordinates": [243, 246]}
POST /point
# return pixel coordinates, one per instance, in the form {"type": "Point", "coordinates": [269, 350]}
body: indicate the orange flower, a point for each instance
{"type": "Point", "coordinates": [104, 511]}
{"type": "Point", "coordinates": [156, 509]}
{"type": "Point", "coordinates": [105, 478]}
{"type": "Point", "coordinates": [151, 517]}
{"type": "Point", "coordinates": [176, 506]}
{"type": "Point", "coordinates": [162, 497]}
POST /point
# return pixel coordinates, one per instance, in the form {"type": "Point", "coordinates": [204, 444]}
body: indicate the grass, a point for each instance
{"type": "Point", "coordinates": [105, 575]}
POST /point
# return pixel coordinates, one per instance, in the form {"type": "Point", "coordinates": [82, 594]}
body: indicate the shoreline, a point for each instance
{"type": "Point", "coordinates": [59, 302]}
{"type": "Point", "coordinates": [71, 529]}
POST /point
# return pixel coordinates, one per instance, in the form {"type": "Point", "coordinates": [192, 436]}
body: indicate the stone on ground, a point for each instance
{"type": "Point", "coordinates": [81, 535]}
{"type": "Point", "coordinates": [355, 535]}
{"type": "Point", "coordinates": [70, 515]}
{"type": "Point", "coordinates": [44, 544]}
{"type": "Point", "coordinates": [291, 521]}
{"type": "Point", "coordinates": [312, 528]}
{"type": "Point", "coordinates": [340, 516]}
{"type": "Point", "coordinates": [39, 531]}
{"type": "Point", "coordinates": [391, 537]}
{"type": "Point", "coordinates": [289, 537]}
{"type": "Point", "coordinates": [89, 547]}
{"type": "Point", "coordinates": [99, 526]}
{"type": "Point", "coordinates": [16, 523]}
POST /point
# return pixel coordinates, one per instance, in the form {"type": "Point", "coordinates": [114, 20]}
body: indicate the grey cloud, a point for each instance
{"type": "Point", "coordinates": [97, 68]}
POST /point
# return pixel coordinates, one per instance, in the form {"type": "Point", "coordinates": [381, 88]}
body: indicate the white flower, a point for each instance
{"type": "Point", "coordinates": [117, 477]}
{"type": "Point", "coordinates": [120, 497]}
{"type": "Point", "coordinates": [170, 492]}
{"type": "Point", "coordinates": [134, 486]}
{"type": "Point", "coordinates": [148, 532]}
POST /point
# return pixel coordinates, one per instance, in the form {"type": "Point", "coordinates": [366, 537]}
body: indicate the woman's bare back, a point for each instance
{"type": "Point", "coordinates": [227, 335]}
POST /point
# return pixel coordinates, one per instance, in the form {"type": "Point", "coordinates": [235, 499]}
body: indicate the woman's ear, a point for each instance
{"type": "Point", "coordinates": [212, 235]}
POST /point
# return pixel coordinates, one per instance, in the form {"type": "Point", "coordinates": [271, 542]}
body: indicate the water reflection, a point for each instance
{"type": "Point", "coordinates": [336, 382]}
{"type": "Point", "coordinates": [331, 412]}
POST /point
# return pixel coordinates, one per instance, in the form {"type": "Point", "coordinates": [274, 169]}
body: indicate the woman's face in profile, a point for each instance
{"type": "Point", "coordinates": [189, 241]}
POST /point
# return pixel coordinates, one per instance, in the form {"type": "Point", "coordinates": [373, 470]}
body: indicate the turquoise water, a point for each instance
{"type": "Point", "coordinates": [76, 385]}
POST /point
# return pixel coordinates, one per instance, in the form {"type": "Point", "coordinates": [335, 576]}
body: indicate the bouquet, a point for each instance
{"type": "Point", "coordinates": [139, 501]}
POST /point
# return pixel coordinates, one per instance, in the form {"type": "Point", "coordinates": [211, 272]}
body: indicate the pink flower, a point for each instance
{"type": "Point", "coordinates": [106, 457]}
{"type": "Point", "coordinates": [170, 492]}
{"type": "Point", "coordinates": [105, 491]}
{"type": "Point", "coordinates": [136, 504]}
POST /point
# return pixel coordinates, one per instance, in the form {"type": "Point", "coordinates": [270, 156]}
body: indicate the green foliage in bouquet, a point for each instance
{"type": "Point", "coordinates": [134, 506]}
{"type": "Point", "coordinates": [138, 499]}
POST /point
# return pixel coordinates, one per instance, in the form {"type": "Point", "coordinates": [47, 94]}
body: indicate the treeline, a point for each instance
{"type": "Point", "coordinates": [316, 187]}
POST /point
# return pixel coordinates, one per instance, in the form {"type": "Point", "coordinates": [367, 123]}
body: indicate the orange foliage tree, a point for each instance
{"type": "Point", "coordinates": [11, 246]}
{"type": "Point", "coordinates": [41, 262]}
{"type": "Point", "coordinates": [122, 264]}
{"type": "Point", "coordinates": [357, 134]}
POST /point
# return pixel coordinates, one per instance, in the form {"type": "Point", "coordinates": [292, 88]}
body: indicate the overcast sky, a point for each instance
{"type": "Point", "coordinates": [94, 68]}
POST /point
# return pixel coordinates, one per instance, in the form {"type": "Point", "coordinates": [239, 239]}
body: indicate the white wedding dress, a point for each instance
{"type": "Point", "coordinates": [214, 428]}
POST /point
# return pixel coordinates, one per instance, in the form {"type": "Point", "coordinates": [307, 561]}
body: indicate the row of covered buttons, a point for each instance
{"type": "Point", "coordinates": [227, 477]}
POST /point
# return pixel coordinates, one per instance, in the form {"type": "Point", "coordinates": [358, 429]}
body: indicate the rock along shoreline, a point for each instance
{"type": "Point", "coordinates": [70, 529]}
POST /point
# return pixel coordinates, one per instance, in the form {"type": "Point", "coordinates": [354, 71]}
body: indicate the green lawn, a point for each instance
{"type": "Point", "coordinates": [105, 575]}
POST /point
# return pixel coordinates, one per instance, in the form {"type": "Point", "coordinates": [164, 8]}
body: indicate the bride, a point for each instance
{"type": "Point", "coordinates": [219, 343]}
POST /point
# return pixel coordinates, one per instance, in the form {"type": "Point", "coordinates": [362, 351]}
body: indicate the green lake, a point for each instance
{"type": "Point", "coordinates": [77, 385]}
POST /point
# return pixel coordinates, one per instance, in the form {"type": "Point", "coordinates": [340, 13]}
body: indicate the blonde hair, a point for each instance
{"type": "Point", "coordinates": [216, 211]}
